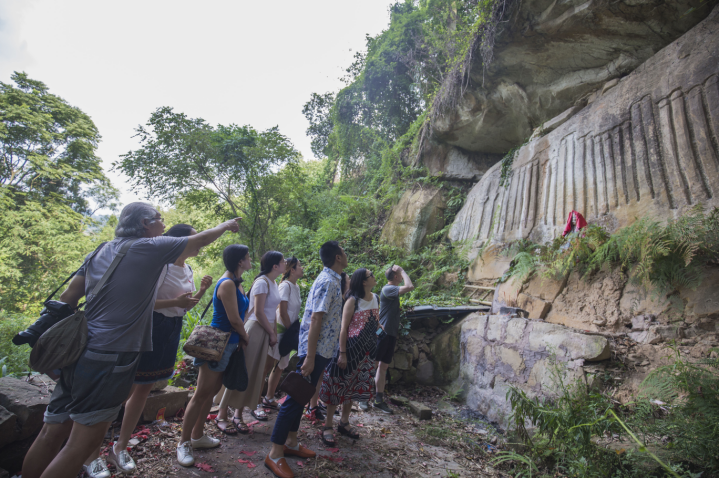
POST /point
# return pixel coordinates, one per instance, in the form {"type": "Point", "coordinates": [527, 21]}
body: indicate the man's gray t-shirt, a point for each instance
{"type": "Point", "coordinates": [119, 318]}
{"type": "Point", "coordinates": [389, 309]}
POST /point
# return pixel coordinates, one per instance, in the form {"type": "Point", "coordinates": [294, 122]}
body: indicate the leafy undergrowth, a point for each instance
{"type": "Point", "coordinates": [671, 429]}
{"type": "Point", "coordinates": [664, 256]}
{"type": "Point", "coordinates": [13, 360]}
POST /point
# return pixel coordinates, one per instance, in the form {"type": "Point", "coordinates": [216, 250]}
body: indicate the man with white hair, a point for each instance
{"type": "Point", "coordinates": [90, 393]}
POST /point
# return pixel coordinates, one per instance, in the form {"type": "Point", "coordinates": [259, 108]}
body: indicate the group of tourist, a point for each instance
{"type": "Point", "coordinates": [347, 337]}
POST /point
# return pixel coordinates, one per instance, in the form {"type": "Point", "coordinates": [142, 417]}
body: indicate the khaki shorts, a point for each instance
{"type": "Point", "coordinates": [93, 389]}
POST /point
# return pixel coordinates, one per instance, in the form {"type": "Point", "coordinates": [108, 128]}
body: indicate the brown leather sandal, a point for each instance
{"type": "Point", "coordinates": [241, 426]}
{"type": "Point", "coordinates": [229, 427]}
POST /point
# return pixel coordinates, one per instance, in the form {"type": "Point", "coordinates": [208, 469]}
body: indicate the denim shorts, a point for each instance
{"type": "Point", "coordinates": [92, 390]}
{"type": "Point", "coordinates": [222, 364]}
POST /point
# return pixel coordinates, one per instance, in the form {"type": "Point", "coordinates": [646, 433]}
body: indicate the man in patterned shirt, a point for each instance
{"type": "Point", "coordinates": [319, 339]}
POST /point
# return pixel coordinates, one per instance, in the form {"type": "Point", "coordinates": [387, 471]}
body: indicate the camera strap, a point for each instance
{"type": "Point", "coordinates": [118, 257]}
{"type": "Point", "coordinates": [78, 269]}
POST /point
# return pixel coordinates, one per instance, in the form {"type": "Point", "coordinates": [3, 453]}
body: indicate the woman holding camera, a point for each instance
{"type": "Point", "coordinates": [230, 304]}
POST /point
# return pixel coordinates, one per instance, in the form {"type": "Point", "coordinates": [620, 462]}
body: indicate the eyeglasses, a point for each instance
{"type": "Point", "coordinates": [161, 219]}
{"type": "Point", "coordinates": [371, 274]}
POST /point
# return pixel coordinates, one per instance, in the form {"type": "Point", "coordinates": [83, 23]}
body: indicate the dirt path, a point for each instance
{"type": "Point", "coordinates": [396, 445]}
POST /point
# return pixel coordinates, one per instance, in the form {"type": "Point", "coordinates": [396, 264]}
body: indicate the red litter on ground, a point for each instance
{"type": "Point", "coordinates": [248, 453]}
{"type": "Point", "coordinates": [204, 467]}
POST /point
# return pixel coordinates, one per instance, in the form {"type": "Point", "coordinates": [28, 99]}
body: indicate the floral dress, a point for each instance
{"type": "Point", "coordinates": [356, 381]}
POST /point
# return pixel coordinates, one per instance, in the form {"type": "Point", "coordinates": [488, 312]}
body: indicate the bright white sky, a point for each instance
{"type": "Point", "coordinates": [225, 61]}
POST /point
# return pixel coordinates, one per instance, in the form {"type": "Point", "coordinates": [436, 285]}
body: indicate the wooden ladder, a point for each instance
{"type": "Point", "coordinates": [480, 294]}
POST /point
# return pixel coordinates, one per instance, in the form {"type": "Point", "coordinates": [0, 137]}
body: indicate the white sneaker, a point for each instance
{"type": "Point", "coordinates": [184, 454]}
{"type": "Point", "coordinates": [122, 460]}
{"type": "Point", "coordinates": [97, 469]}
{"type": "Point", "coordinates": [204, 442]}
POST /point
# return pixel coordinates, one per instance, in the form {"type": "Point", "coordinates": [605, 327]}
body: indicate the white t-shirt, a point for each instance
{"type": "Point", "coordinates": [174, 281]}
{"type": "Point", "coordinates": [272, 300]}
{"type": "Point", "coordinates": [290, 293]}
{"type": "Point", "coordinates": [368, 304]}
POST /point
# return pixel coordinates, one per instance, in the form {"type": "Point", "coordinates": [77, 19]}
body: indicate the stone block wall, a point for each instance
{"type": "Point", "coordinates": [498, 351]}
{"type": "Point", "coordinates": [646, 146]}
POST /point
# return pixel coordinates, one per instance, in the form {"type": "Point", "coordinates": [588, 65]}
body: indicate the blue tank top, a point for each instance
{"type": "Point", "coordinates": [219, 314]}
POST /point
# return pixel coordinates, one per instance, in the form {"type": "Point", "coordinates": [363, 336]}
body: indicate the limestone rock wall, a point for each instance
{"type": "Point", "coordinates": [647, 146]}
{"type": "Point", "coordinates": [549, 55]}
{"type": "Point", "coordinates": [420, 212]}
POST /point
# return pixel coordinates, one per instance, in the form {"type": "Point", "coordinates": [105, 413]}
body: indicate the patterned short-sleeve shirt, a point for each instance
{"type": "Point", "coordinates": [325, 296]}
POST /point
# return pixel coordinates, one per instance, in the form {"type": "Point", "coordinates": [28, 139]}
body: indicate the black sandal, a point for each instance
{"type": "Point", "coordinates": [350, 432]}
{"type": "Point", "coordinates": [328, 443]}
{"type": "Point", "coordinates": [241, 426]}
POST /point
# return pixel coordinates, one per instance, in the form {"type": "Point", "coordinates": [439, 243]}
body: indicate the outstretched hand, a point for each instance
{"type": "Point", "coordinates": [232, 225]}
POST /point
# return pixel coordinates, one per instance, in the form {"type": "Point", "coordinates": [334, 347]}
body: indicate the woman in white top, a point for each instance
{"type": "Point", "coordinates": [287, 314]}
{"type": "Point", "coordinates": [260, 327]}
{"type": "Point", "coordinates": [173, 299]}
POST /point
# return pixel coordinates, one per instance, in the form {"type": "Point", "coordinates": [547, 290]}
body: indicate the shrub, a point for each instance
{"type": "Point", "coordinates": [14, 360]}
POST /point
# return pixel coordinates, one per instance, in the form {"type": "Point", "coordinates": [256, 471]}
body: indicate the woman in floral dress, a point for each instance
{"type": "Point", "coordinates": [350, 374]}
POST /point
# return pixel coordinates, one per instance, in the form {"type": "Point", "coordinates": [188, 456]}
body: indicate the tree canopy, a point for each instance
{"type": "Point", "coordinates": [47, 147]}
{"type": "Point", "coordinates": [51, 180]}
{"type": "Point", "coordinates": [224, 167]}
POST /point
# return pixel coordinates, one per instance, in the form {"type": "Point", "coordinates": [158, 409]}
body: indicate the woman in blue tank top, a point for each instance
{"type": "Point", "coordinates": [230, 305]}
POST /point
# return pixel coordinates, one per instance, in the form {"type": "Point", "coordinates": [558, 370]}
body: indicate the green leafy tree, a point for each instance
{"type": "Point", "coordinates": [226, 168]}
{"type": "Point", "coordinates": [50, 181]}
{"type": "Point", "coordinates": [47, 148]}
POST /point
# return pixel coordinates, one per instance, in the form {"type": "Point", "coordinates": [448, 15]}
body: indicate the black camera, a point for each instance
{"type": "Point", "coordinates": [53, 313]}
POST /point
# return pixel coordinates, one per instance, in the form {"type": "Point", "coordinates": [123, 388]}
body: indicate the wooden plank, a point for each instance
{"type": "Point", "coordinates": [478, 287]}
{"type": "Point", "coordinates": [482, 302]}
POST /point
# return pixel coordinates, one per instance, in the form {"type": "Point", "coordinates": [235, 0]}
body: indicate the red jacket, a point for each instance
{"type": "Point", "coordinates": [581, 223]}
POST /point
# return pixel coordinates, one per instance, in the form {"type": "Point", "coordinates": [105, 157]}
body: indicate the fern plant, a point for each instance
{"type": "Point", "coordinates": [689, 392]}
{"type": "Point", "coordinates": [663, 256]}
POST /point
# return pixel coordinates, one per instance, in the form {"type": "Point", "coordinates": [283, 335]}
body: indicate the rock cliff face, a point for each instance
{"type": "Point", "coordinates": [623, 99]}
{"type": "Point", "coordinates": [420, 212]}
{"type": "Point", "coordinates": [549, 55]}
{"type": "Point", "coordinates": [645, 147]}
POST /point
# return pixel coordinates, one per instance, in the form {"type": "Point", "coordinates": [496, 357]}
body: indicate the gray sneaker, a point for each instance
{"type": "Point", "coordinates": [383, 406]}
{"type": "Point", "coordinates": [97, 469]}
{"type": "Point", "coordinates": [364, 406]}
{"type": "Point", "coordinates": [122, 460]}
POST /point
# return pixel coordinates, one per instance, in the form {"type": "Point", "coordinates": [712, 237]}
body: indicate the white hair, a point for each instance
{"type": "Point", "coordinates": [130, 222]}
